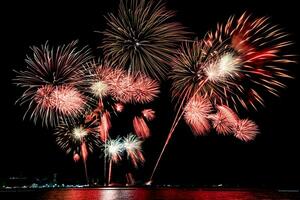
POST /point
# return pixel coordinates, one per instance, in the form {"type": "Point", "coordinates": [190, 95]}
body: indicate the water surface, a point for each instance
{"type": "Point", "coordinates": [150, 194]}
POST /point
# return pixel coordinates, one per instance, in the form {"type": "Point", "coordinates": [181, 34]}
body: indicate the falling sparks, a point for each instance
{"type": "Point", "coordinates": [119, 107]}
{"type": "Point", "coordinates": [76, 157]}
{"type": "Point", "coordinates": [104, 126]}
{"type": "Point", "coordinates": [140, 127]}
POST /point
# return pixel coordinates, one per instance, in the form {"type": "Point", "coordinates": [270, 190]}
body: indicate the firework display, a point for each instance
{"type": "Point", "coordinates": [214, 82]}
{"type": "Point", "coordinates": [231, 67]}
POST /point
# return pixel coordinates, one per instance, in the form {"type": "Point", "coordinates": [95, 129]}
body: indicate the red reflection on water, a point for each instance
{"type": "Point", "coordinates": [163, 193]}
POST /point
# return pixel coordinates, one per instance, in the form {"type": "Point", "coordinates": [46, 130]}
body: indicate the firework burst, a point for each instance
{"type": "Point", "coordinates": [229, 66]}
{"type": "Point", "coordinates": [261, 49]}
{"type": "Point", "coordinates": [145, 90]}
{"type": "Point", "coordinates": [198, 68]}
{"type": "Point", "coordinates": [149, 114]}
{"type": "Point", "coordinates": [133, 146]}
{"type": "Point", "coordinates": [224, 120]}
{"type": "Point", "coordinates": [142, 37]}
{"type": "Point", "coordinates": [47, 71]}
{"type": "Point", "coordinates": [245, 130]}
{"type": "Point", "coordinates": [70, 137]}
{"type": "Point", "coordinates": [114, 149]}
{"type": "Point", "coordinates": [68, 101]}
{"type": "Point", "coordinates": [196, 114]}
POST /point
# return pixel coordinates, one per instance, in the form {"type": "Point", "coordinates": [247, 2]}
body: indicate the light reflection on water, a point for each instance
{"type": "Point", "coordinates": [151, 194]}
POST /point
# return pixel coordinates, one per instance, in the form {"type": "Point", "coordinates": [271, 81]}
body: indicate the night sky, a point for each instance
{"type": "Point", "coordinates": [29, 150]}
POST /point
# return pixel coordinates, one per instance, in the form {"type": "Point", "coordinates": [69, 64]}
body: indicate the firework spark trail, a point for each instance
{"type": "Point", "coordinates": [179, 115]}
{"type": "Point", "coordinates": [142, 37]}
{"type": "Point", "coordinates": [84, 157]}
{"type": "Point", "coordinates": [105, 126]}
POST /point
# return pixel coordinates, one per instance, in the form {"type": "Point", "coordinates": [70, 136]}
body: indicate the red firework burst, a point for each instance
{"type": "Point", "coordinates": [196, 115]}
{"type": "Point", "coordinates": [68, 101]}
{"type": "Point", "coordinates": [262, 49]}
{"type": "Point", "coordinates": [246, 130]}
{"type": "Point", "coordinates": [60, 101]}
{"type": "Point", "coordinates": [224, 120]}
{"type": "Point", "coordinates": [144, 88]}
{"type": "Point", "coordinates": [119, 84]}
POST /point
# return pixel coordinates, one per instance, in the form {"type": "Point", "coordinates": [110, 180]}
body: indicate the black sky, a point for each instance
{"type": "Point", "coordinates": [273, 159]}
